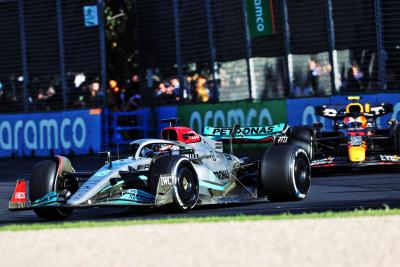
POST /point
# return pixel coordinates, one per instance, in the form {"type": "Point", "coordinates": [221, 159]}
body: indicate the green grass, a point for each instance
{"type": "Point", "coordinates": [286, 216]}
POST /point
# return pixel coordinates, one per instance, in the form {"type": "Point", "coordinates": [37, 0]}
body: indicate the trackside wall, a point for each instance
{"type": "Point", "coordinates": [227, 114]}
{"type": "Point", "coordinates": [80, 132]}
{"type": "Point", "coordinates": [42, 134]}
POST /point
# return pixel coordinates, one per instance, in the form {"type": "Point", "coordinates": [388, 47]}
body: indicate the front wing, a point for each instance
{"type": "Point", "coordinates": [342, 162]}
{"type": "Point", "coordinates": [112, 197]}
{"type": "Point", "coordinates": [125, 198]}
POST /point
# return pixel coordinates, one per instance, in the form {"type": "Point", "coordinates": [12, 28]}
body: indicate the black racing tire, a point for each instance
{"type": "Point", "coordinates": [285, 173]}
{"type": "Point", "coordinates": [303, 137]}
{"type": "Point", "coordinates": [186, 187]}
{"type": "Point", "coordinates": [396, 138]}
{"type": "Point", "coordinates": [43, 181]}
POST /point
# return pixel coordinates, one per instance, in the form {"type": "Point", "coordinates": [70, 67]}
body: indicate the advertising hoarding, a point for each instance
{"type": "Point", "coordinates": [41, 134]}
{"type": "Point", "coordinates": [227, 114]}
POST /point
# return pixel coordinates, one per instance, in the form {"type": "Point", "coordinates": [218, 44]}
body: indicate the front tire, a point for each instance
{"type": "Point", "coordinates": [285, 173]}
{"type": "Point", "coordinates": [186, 185]}
{"type": "Point", "coordinates": [43, 181]}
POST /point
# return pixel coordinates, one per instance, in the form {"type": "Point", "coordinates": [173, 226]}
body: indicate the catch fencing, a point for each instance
{"type": "Point", "coordinates": [266, 49]}
{"type": "Point", "coordinates": [52, 55]}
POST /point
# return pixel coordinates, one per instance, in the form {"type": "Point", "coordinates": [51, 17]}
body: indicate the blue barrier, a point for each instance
{"type": "Point", "coordinates": [41, 134]}
{"type": "Point", "coordinates": [118, 124]}
{"type": "Point", "coordinates": [301, 111]}
{"type": "Point", "coordinates": [80, 132]}
{"type": "Point", "coordinates": [166, 112]}
{"type": "Point", "coordinates": [119, 127]}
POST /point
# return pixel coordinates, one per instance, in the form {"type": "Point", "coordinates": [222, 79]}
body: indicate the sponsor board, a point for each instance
{"type": "Point", "coordinates": [260, 17]}
{"type": "Point", "coordinates": [227, 114]}
{"type": "Point", "coordinates": [90, 16]}
{"type": "Point", "coordinates": [43, 133]}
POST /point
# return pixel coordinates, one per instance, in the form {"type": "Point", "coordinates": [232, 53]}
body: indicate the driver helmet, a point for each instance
{"type": "Point", "coordinates": [166, 147]}
{"type": "Point", "coordinates": [358, 122]}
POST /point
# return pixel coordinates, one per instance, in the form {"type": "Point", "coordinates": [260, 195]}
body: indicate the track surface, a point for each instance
{"type": "Point", "coordinates": [330, 193]}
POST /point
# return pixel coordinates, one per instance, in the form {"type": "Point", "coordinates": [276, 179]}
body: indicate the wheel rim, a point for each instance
{"type": "Point", "coordinates": [302, 174]}
{"type": "Point", "coordinates": [187, 189]}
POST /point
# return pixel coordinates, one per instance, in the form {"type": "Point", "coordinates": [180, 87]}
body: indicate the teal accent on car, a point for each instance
{"type": "Point", "coordinates": [133, 196]}
{"type": "Point", "coordinates": [213, 185]}
{"type": "Point", "coordinates": [110, 186]}
{"type": "Point", "coordinates": [122, 202]}
{"type": "Point", "coordinates": [51, 199]}
{"type": "Point", "coordinates": [105, 170]}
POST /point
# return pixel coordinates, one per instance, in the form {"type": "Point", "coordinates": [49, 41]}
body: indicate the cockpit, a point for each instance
{"type": "Point", "coordinates": [355, 122]}
{"type": "Point", "coordinates": [150, 150]}
{"type": "Point", "coordinates": [355, 118]}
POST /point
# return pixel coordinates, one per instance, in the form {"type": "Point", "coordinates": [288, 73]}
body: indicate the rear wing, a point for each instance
{"type": "Point", "coordinates": [246, 134]}
{"type": "Point", "coordinates": [365, 110]}
{"type": "Point", "coordinates": [381, 110]}
{"type": "Point", "coordinates": [330, 113]}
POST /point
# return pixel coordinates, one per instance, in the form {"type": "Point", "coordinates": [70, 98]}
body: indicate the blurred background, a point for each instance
{"type": "Point", "coordinates": [206, 61]}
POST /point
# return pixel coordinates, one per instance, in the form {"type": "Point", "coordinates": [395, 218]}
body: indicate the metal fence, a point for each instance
{"type": "Point", "coordinates": [52, 55]}
{"type": "Point", "coordinates": [302, 48]}
{"type": "Point", "coordinates": [210, 50]}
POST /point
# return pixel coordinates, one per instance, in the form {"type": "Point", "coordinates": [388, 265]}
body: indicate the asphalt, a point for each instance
{"type": "Point", "coordinates": [371, 189]}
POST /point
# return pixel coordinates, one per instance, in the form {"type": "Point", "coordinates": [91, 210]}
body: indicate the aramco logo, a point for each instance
{"type": "Point", "coordinates": [259, 15]}
{"type": "Point", "coordinates": [43, 134]}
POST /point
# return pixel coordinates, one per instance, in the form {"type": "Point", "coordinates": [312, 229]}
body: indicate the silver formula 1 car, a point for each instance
{"type": "Point", "coordinates": [179, 171]}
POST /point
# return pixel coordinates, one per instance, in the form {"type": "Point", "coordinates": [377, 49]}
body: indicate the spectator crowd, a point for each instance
{"type": "Point", "coordinates": [317, 80]}
{"type": "Point", "coordinates": [196, 89]}
{"type": "Point", "coordinates": [85, 90]}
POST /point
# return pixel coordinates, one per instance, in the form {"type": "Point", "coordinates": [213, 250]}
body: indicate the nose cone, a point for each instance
{"type": "Point", "coordinates": [91, 187]}
{"type": "Point", "coordinates": [95, 184]}
{"type": "Point", "coordinates": [356, 153]}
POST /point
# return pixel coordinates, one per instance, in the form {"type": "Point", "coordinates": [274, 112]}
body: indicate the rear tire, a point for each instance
{"type": "Point", "coordinates": [303, 137]}
{"type": "Point", "coordinates": [285, 173]}
{"type": "Point", "coordinates": [186, 188]}
{"type": "Point", "coordinates": [43, 181]}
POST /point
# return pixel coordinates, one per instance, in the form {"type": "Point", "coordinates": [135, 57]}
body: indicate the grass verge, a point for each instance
{"type": "Point", "coordinates": [127, 222]}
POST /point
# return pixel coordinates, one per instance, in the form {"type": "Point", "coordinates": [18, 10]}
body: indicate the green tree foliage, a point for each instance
{"type": "Point", "coordinates": [121, 41]}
